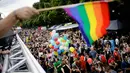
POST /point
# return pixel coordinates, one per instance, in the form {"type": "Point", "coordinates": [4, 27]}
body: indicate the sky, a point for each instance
{"type": "Point", "coordinates": [7, 6]}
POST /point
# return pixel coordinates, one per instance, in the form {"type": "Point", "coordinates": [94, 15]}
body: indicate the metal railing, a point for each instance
{"type": "Point", "coordinates": [21, 60]}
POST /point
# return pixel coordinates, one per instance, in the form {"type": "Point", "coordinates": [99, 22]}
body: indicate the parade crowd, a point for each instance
{"type": "Point", "coordinates": [109, 54]}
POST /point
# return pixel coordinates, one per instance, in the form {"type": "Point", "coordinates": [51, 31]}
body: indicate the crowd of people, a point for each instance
{"type": "Point", "coordinates": [10, 20]}
{"type": "Point", "coordinates": [109, 54]}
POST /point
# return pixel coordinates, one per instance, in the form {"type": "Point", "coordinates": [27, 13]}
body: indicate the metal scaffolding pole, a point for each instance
{"type": "Point", "coordinates": [20, 60]}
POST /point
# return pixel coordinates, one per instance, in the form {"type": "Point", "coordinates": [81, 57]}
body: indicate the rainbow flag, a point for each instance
{"type": "Point", "coordinates": [93, 19]}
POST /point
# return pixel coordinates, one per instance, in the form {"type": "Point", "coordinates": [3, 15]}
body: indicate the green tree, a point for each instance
{"type": "Point", "coordinates": [51, 17]}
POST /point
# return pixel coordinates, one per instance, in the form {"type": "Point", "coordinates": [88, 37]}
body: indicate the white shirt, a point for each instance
{"type": "Point", "coordinates": [129, 60]}
{"type": "Point", "coordinates": [117, 41]}
{"type": "Point", "coordinates": [79, 49]}
{"type": "Point", "coordinates": [40, 54]}
{"type": "Point", "coordinates": [105, 41]}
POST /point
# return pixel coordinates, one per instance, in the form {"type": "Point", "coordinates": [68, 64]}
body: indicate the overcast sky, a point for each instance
{"type": "Point", "coordinates": [7, 6]}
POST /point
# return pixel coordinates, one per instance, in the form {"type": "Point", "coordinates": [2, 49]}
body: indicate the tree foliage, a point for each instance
{"type": "Point", "coordinates": [52, 17]}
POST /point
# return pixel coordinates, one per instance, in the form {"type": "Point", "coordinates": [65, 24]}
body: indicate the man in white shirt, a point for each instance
{"type": "Point", "coordinates": [117, 41]}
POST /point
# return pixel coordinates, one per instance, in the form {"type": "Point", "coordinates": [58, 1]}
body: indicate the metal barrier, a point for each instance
{"type": "Point", "coordinates": [20, 60]}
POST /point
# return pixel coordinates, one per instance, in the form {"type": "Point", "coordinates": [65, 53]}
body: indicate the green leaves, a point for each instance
{"type": "Point", "coordinates": [51, 17]}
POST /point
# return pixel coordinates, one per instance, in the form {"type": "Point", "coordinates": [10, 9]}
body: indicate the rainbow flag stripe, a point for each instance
{"type": "Point", "coordinates": [93, 19]}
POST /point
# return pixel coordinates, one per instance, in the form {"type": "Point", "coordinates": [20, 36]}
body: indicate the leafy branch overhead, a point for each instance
{"type": "Point", "coordinates": [49, 17]}
{"type": "Point", "coordinates": [53, 17]}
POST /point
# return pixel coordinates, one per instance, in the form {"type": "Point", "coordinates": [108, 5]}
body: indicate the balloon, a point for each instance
{"type": "Point", "coordinates": [90, 61]}
{"type": "Point", "coordinates": [50, 45]}
{"type": "Point", "coordinates": [59, 51]}
{"type": "Point", "coordinates": [53, 37]}
{"type": "Point", "coordinates": [65, 48]}
{"type": "Point", "coordinates": [74, 52]}
{"type": "Point", "coordinates": [55, 46]}
{"type": "Point", "coordinates": [68, 41]}
{"type": "Point", "coordinates": [82, 58]}
{"type": "Point", "coordinates": [61, 47]}
{"type": "Point", "coordinates": [62, 50]}
{"type": "Point", "coordinates": [53, 31]}
{"type": "Point", "coordinates": [56, 39]}
{"type": "Point", "coordinates": [56, 35]}
{"type": "Point", "coordinates": [72, 49]}
{"type": "Point", "coordinates": [63, 43]}
{"type": "Point", "coordinates": [59, 39]}
{"type": "Point", "coordinates": [63, 40]}
{"type": "Point", "coordinates": [57, 42]}
{"type": "Point", "coordinates": [66, 44]}
{"type": "Point", "coordinates": [65, 37]}
{"type": "Point", "coordinates": [55, 53]}
{"type": "Point", "coordinates": [52, 42]}
{"type": "Point", "coordinates": [55, 49]}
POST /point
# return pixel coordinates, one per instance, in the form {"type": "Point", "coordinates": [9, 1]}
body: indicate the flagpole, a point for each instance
{"type": "Point", "coordinates": [65, 6]}
{"type": "Point", "coordinates": [58, 7]}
